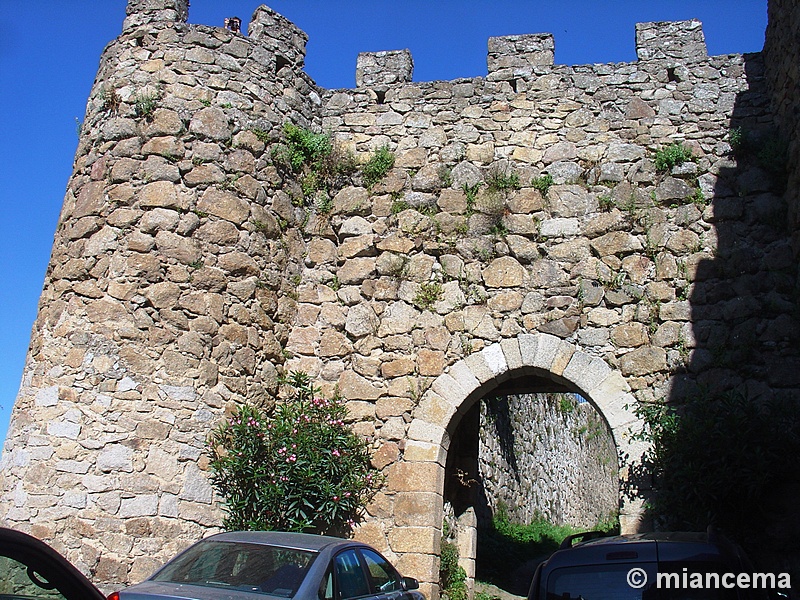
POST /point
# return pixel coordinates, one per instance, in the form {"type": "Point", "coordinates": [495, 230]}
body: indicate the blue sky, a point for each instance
{"type": "Point", "coordinates": [50, 49]}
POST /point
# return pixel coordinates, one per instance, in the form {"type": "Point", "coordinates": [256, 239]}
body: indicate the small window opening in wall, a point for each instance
{"type": "Point", "coordinates": [672, 75]}
{"type": "Point", "coordinates": [513, 83]}
{"type": "Point", "coordinates": [381, 96]}
{"type": "Point", "coordinates": [280, 62]}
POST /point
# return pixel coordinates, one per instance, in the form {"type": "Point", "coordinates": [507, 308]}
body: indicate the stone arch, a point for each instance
{"type": "Point", "coordinates": [419, 479]}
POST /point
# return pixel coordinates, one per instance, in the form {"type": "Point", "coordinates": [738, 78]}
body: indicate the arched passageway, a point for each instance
{"type": "Point", "coordinates": [421, 475]}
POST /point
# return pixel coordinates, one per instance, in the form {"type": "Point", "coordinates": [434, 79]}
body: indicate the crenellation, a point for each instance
{"type": "Point", "coordinates": [280, 36]}
{"type": "Point", "coordinates": [517, 56]}
{"type": "Point", "coordinates": [145, 12]}
{"type": "Point", "coordinates": [677, 41]}
{"type": "Point", "coordinates": [381, 70]}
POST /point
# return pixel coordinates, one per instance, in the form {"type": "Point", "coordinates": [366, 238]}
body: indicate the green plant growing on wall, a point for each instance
{"type": "Point", "coordinates": [471, 193]}
{"type": "Point", "coordinates": [498, 228]}
{"type": "Point", "coordinates": [543, 183]}
{"type": "Point", "coordinates": [299, 468]}
{"type": "Point", "coordinates": [261, 134]}
{"type": "Point", "coordinates": [379, 164]}
{"type": "Point", "coordinates": [501, 181]}
{"type": "Point", "coordinates": [145, 104]}
{"type": "Point", "coordinates": [605, 202]}
{"type": "Point", "coordinates": [737, 138]}
{"type": "Point", "coordinates": [399, 206]}
{"type": "Point", "coordinates": [452, 577]}
{"type": "Point", "coordinates": [429, 294]}
{"type": "Point", "coordinates": [445, 176]}
{"type": "Point", "coordinates": [671, 156]}
{"type": "Point", "coordinates": [313, 160]}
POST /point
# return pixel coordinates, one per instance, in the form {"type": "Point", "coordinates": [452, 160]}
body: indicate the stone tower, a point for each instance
{"type": "Point", "coordinates": [523, 238]}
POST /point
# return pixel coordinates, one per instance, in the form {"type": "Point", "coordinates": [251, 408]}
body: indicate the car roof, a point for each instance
{"type": "Point", "coordinates": [647, 547]}
{"type": "Point", "coordinates": [297, 541]}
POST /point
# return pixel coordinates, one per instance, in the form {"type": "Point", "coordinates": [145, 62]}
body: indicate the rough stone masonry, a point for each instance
{"type": "Point", "coordinates": [187, 271]}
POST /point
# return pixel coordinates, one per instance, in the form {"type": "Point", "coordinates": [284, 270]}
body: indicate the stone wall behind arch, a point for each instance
{"type": "Point", "coordinates": [547, 456]}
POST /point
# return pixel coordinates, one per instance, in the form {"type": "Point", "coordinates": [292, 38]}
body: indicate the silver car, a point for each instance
{"type": "Point", "coordinates": [247, 564]}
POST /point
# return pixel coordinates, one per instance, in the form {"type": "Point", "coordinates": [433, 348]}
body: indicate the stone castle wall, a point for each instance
{"type": "Point", "coordinates": [782, 53]}
{"type": "Point", "coordinates": [186, 270]}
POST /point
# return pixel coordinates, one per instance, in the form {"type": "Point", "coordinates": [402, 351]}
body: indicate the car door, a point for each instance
{"type": "Point", "coordinates": [385, 581]}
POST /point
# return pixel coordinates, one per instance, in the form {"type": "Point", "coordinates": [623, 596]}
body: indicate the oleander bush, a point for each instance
{"type": "Point", "coordinates": [297, 468]}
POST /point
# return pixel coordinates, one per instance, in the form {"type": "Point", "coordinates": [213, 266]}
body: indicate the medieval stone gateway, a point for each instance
{"type": "Point", "coordinates": [526, 229]}
{"type": "Point", "coordinates": [419, 479]}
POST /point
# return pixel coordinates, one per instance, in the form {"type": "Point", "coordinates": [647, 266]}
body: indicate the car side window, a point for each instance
{"type": "Point", "coordinates": [19, 581]}
{"type": "Point", "coordinates": [326, 586]}
{"type": "Point", "coordinates": [350, 577]}
{"type": "Point", "coordinates": [384, 577]}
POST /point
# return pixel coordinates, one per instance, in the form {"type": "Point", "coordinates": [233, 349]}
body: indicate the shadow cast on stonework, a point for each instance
{"type": "Point", "coordinates": [726, 443]}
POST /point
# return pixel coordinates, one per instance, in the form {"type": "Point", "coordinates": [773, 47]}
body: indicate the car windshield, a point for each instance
{"type": "Point", "coordinates": [272, 570]}
{"type": "Point", "coordinates": [631, 582]}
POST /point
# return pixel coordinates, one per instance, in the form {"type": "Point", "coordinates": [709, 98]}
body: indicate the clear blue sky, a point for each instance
{"type": "Point", "coordinates": [49, 53]}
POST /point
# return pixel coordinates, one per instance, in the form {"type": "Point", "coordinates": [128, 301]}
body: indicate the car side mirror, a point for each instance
{"type": "Point", "coordinates": [409, 583]}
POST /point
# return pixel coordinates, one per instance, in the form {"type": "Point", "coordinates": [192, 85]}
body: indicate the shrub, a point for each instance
{"type": "Point", "coordinates": [303, 147]}
{"type": "Point", "coordinates": [379, 164]}
{"type": "Point", "coordinates": [718, 458]}
{"type": "Point", "coordinates": [672, 156]}
{"type": "Point", "coordinates": [297, 469]}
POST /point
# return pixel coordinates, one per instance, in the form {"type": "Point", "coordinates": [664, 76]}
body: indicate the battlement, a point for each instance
{"type": "Point", "coordinates": [379, 70]}
{"type": "Point", "coordinates": [671, 40]}
{"type": "Point", "coordinates": [509, 57]}
{"type": "Point", "coordinates": [514, 56]}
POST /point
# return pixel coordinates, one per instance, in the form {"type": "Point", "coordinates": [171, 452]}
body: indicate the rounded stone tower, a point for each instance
{"type": "Point", "coordinates": [162, 301]}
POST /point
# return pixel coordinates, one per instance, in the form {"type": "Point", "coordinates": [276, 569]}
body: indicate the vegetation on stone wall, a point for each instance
{"type": "Point", "coordinates": [299, 468]}
{"type": "Point", "coordinates": [452, 577]}
{"type": "Point", "coordinates": [721, 459]}
{"type": "Point", "coordinates": [313, 160]}
{"type": "Point", "coordinates": [672, 156]}
{"type": "Point", "coordinates": [379, 164]}
{"type": "Point", "coordinates": [321, 167]}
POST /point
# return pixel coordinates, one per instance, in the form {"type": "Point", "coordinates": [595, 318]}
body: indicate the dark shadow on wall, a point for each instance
{"type": "Point", "coordinates": [727, 446]}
